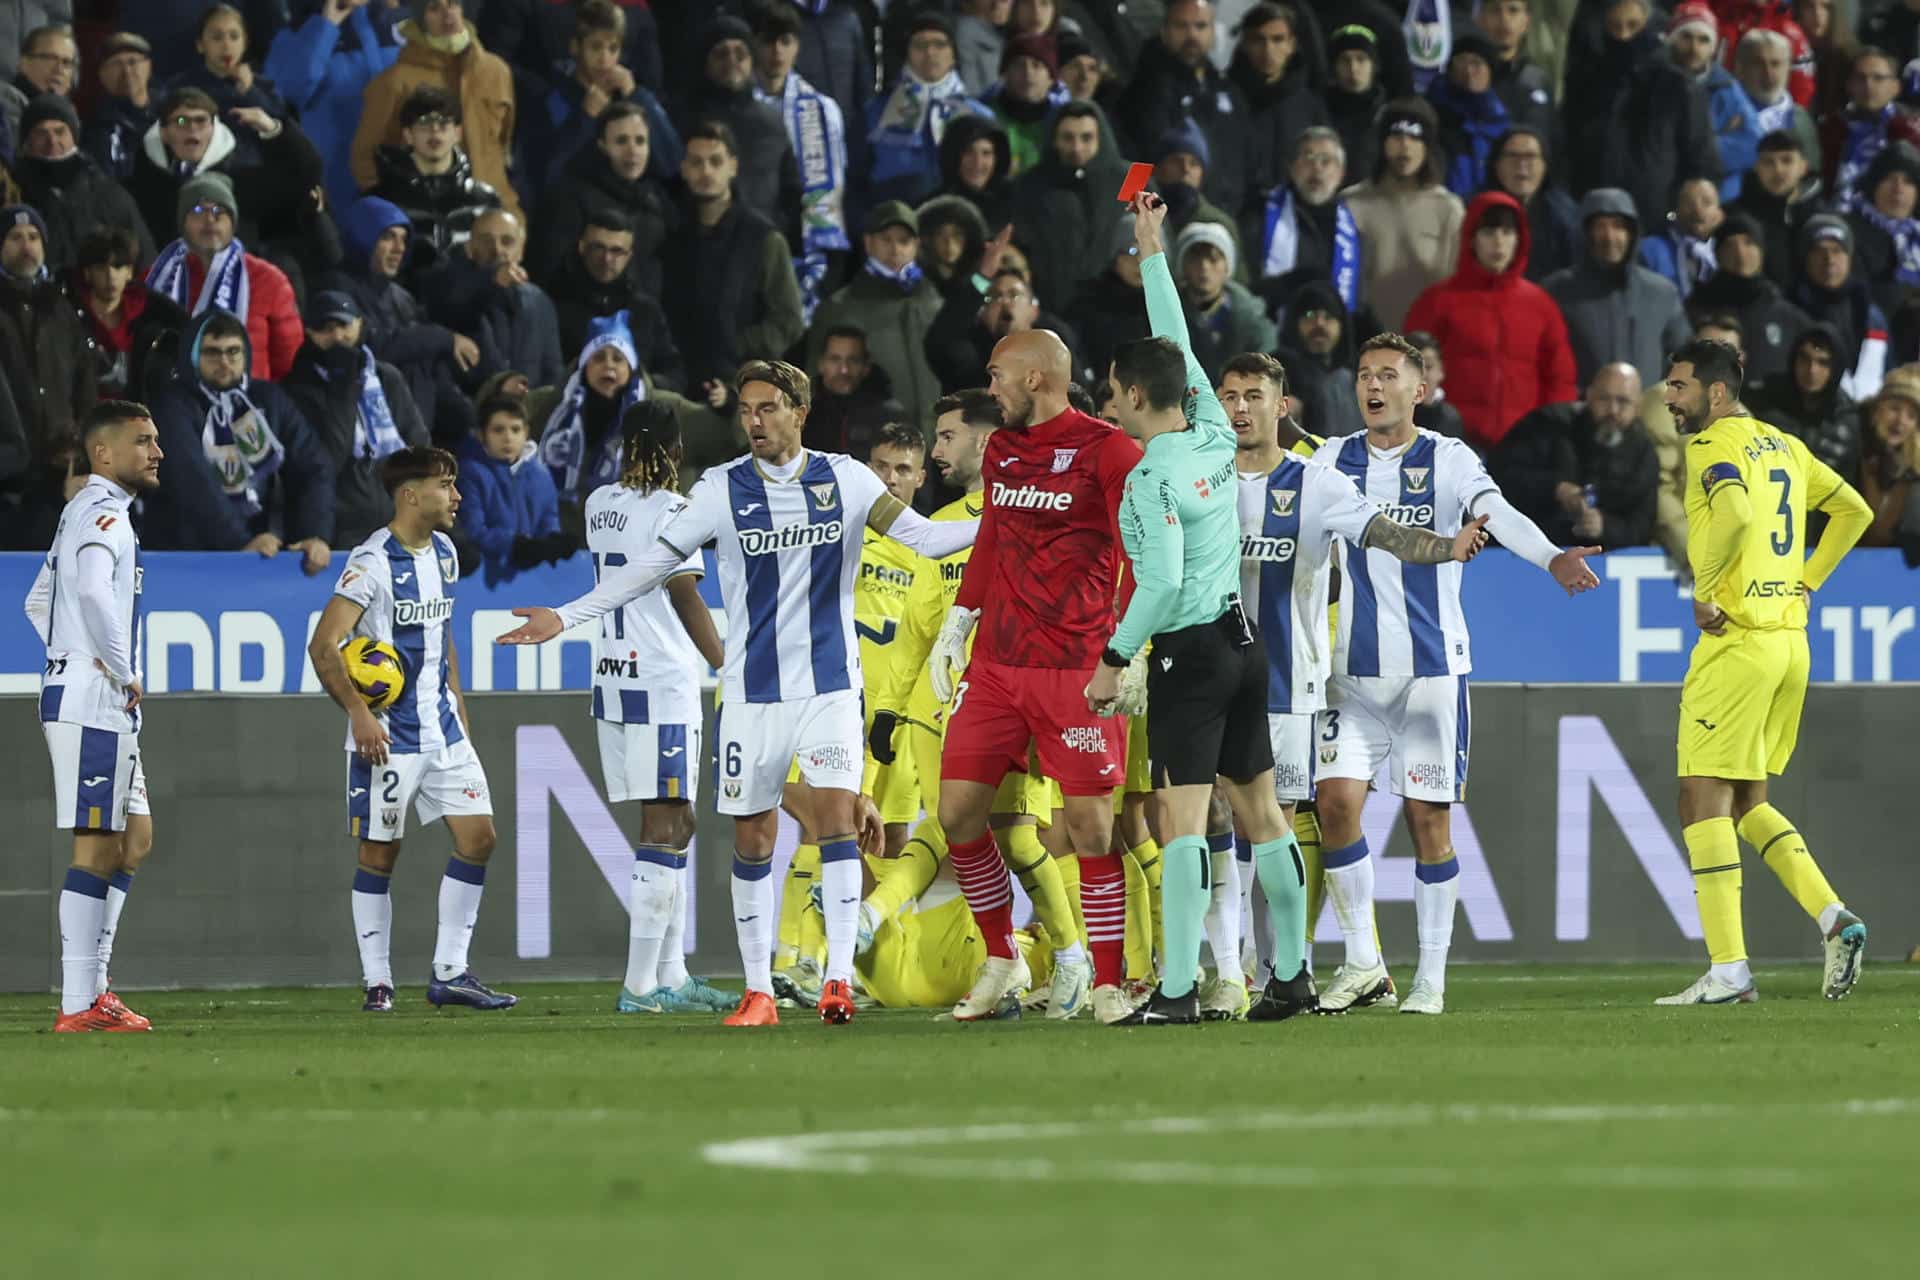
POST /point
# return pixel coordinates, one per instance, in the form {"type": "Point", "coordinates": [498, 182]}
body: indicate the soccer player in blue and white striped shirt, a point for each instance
{"type": "Point", "coordinates": [1399, 686]}
{"type": "Point", "coordinates": [398, 588]}
{"type": "Point", "coordinates": [787, 526]}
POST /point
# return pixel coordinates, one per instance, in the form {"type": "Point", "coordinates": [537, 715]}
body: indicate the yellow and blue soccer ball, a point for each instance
{"type": "Point", "coordinates": [375, 669]}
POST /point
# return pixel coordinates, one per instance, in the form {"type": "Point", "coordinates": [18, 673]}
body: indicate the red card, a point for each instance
{"type": "Point", "coordinates": [1138, 175]}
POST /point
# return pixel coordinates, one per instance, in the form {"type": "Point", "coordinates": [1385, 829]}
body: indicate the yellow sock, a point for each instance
{"type": "Point", "coordinates": [801, 874]}
{"type": "Point", "coordinates": [1714, 853]}
{"type": "Point", "coordinates": [1033, 867]}
{"type": "Point", "coordinates": [1147, 854]}
{"type": "Point", "coordinates": [1767, 829]}
{"type": "Point", "coordinates": [1306, 830]}
{"type": "Point", "coordinates": [1069, 869]}
{"type": "Point", "coordinates": [908, 875]}
{"type": "Point", "coordinates": [1138, 938]}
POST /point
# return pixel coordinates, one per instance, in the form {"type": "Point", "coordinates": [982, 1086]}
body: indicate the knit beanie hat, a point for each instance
{"type": "Point", "coordinates": [17, 214]}
{"type": "Point", "coordinates": [1198, 233]}
{"type": "Point", "coordinates": [49, 106]}
{"type": "Point", "coordinates": [205, 188]}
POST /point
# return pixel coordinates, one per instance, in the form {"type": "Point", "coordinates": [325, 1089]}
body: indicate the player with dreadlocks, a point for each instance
{"type": "Point", "coordinates": [646, 697]}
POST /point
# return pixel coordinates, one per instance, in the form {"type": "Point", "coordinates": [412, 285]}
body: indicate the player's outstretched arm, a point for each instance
{"type": "Point", "coordinates": [634, 579]}
{"type": "Point", "coordinates": [336, 623]}
{"type": "Point", "coordinates": [1523, 537]}
{"type": "Point", "coordinates": [683, 592]}
{"type": "Point", "coordinates": [1422, 546]}
{"type": "Point", "coordinates": [934, 539]}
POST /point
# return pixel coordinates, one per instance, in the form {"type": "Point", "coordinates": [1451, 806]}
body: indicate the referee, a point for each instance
{"type": "Point", "coordinates": [1206, 682]}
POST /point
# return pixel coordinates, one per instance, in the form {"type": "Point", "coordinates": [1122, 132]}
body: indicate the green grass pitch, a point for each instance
{"type": "Point", "coordinates": [1552, 1124]}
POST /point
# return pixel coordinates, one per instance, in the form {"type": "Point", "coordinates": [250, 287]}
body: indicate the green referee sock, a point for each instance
{"type": "Point", "coordinates": [1184, 896]}
{"type": "Point", "coordinates": [1283, 879]}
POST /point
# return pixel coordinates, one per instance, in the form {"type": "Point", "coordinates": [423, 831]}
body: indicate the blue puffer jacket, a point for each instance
{"type": "Point", "coordinates": [503, 501]}
{"type": "Point", "coordinates": [323, 71]}
{"type": "Point", "coordinates": [1736, 128]}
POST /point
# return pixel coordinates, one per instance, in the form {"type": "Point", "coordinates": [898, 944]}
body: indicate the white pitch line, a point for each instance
{"type": "Point", "coordinates": [865, 1152]}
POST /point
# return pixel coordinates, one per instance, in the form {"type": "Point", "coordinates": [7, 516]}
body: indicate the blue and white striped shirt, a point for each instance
{"type": "Point", "coordinates": [407, 600]}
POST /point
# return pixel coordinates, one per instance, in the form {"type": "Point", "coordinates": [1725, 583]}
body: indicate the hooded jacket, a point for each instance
{"type": "Point", "coordinates": [482, 83]}
{"type": "Point", "coordinates": [1470, 123]}
{"type": "Point", "coordinates": [502, 502]}
{"type": "Point", "coordinates": [995, 200]}
{"type": "Point", "coordinates": [1553, 219]}
{"type": "Point", "coordinates": [1736, 126]}
{"type": "Point", "coordinates": [1625, 313]}
{"type": "Point", "coordinates": [1503, 339]}
{"type": "Point", "coordinates": [1063, 217]}
{"type": "Point", "coordinates": [586, 186]}
{"type": "Point", "coordinates": [331, 407]}
{"type": "Point", "coordinates": [1828, 421]}
{"type": "Point", "coordinates": [1322, 384]}
{"type": "Point", "coordinates": [276, 204]}
{"type": "Point", "coordinates": [191, 512]}
{"type": "Point", "coordinates": [1850, 311]}
{"type": "Point", "coordinates": [953, 211]}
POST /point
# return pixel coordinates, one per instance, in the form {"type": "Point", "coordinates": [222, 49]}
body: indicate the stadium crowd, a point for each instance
{"type": "Point", "coordinates": [311, 232]}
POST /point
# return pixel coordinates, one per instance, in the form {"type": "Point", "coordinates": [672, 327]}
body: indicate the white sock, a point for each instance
{"type": "Point", "coordinates": [673, 944]}
{"type": "Point", "coordinates": [373, 928]}
{"type": "Point", "coordinates": [1223, 914]}
{"type": "Point", "coordinates": [1735, 974]}
{"type": "Point", "coordinates": [840, 904]}
{"type": "Point", "coordinates": [753, 908]}
{"type": "Point", "coordinates": [1433, 900]}
{"type": "Point", "coordinates": [116, 903]}
{"type": "Point", "coordinates": [651, 897]}
{"type": "Point", "coordinates": [1829, 916]}
{"type": "Point", "coordinates": [460, 890]}
{"type": "Point", "coordinates": [1351, 888]}
{"type": "Point", "coordinates": [83, 908]}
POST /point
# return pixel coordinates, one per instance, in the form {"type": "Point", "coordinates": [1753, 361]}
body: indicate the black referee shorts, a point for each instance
{"type": "Point", "coordinates": [1207, 703]}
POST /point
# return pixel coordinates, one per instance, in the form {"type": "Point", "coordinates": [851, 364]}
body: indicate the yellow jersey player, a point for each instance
{"type": "Point", "coordinates": [1749, 488]}
{"type": "Point", "coordinates": [963, 422]}
{"type": "Point", "coordinates": [887, 571]}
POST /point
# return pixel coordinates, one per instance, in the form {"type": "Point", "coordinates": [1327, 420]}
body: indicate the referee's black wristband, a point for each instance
{"type": "Point", "coordinates": [1113, 659]}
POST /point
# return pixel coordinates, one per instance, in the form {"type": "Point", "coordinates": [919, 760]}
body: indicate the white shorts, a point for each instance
{"type": "Point", "coordinates": [1292, 737]}
{"type": "Point", "coordinates": [1420, 723]}
{"type": "Point", "coordinates": [760, 741]}
{"type": "Point", "coordinates": [94, 772]}
{"type": "Point", "coordinates": [137, 791]}
{"type": "Point", "coordinates": [446, 784]}
{"type": "Point", "coordinates": [649, 761]}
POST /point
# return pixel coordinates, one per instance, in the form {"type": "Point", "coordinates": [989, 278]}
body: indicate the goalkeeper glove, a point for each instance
{"type": "Point", "coordinates": [1133, 687]}
{"type": "Point", "coordinates": [949, 656]}
{"type": "Point", "coordinates": [880, 736]}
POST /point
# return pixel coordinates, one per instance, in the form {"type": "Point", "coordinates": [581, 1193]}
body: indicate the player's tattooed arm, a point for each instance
{"type": "Point", "coordinates": [1421, 546]}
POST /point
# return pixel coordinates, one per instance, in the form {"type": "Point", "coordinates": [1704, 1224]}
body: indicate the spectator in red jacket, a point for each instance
{"type": "Point", "coordinates": [1503, 338]}
{"type": "Point", "coordinates": [208, 267]}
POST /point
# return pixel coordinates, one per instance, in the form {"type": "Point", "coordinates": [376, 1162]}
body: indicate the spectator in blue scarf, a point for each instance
{"type": "Point", "coordinates": [1472, 116]}
{"type": "Point", "coordinates": [323, 64]}
{"type": "Point", "coordinates": [248, 473]}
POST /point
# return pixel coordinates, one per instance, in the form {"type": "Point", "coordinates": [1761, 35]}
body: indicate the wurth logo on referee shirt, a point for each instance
{"type": "Point", "coordinates": [1028, 497]}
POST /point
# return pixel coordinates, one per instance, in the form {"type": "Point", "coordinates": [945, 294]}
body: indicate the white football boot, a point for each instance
{"type": "Point", "coordinates": [998, 978]}
{"type": "Point", "coordinates": [1424, 998]}
{"type": "Point", "coordinates": [1846, 948]}
{"type": "Point", "coordinates": [1072, 984]}
{"type": "Point", "coordinates": [1707, 989]}
{"type": "Point", "coordinates": [1357, 989]}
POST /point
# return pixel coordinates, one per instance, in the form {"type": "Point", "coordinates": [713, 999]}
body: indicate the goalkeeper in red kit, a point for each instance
{"type": "Point", "coordinates": [1041, 588]}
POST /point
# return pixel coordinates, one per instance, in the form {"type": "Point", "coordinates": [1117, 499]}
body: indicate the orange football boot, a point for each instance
{"type": "Point", "coordinates": [756, 1010]}
{"type": "Point", "coordinates": [99, 1016]}
{"type": "Point", "coordinates": [836, 1004]}
{"type": "Point", "coordinates": [108, 1000]}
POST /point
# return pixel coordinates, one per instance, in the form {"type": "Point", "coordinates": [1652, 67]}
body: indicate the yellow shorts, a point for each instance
{"type": "Point", "coordinates": [1740, 706]}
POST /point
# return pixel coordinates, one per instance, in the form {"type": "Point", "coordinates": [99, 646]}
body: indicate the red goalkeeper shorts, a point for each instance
{"type": "Point", "coordinates": [998, 710]}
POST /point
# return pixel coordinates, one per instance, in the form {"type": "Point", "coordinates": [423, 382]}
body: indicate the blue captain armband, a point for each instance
{"type": "Point", "coordinates": [1719, 472]}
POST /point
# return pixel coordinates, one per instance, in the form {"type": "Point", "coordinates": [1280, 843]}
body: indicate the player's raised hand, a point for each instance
{"type": "Point", "coordinates": [1149, 213]}
{"type": "Point", "coordinates": [1471, 539]}
{"type": "Point", "coordinates": [370, 740]}
{"type": "Point", "coordinates": [541, 625]}
{"type": "Point", "coordinates": [1570, 570]}
{"type": "Point", "coordinates": [996, 249]}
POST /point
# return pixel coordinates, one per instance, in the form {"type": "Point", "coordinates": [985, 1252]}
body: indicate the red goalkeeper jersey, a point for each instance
{"type": "Point", "coordinates": [1046, 562]}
